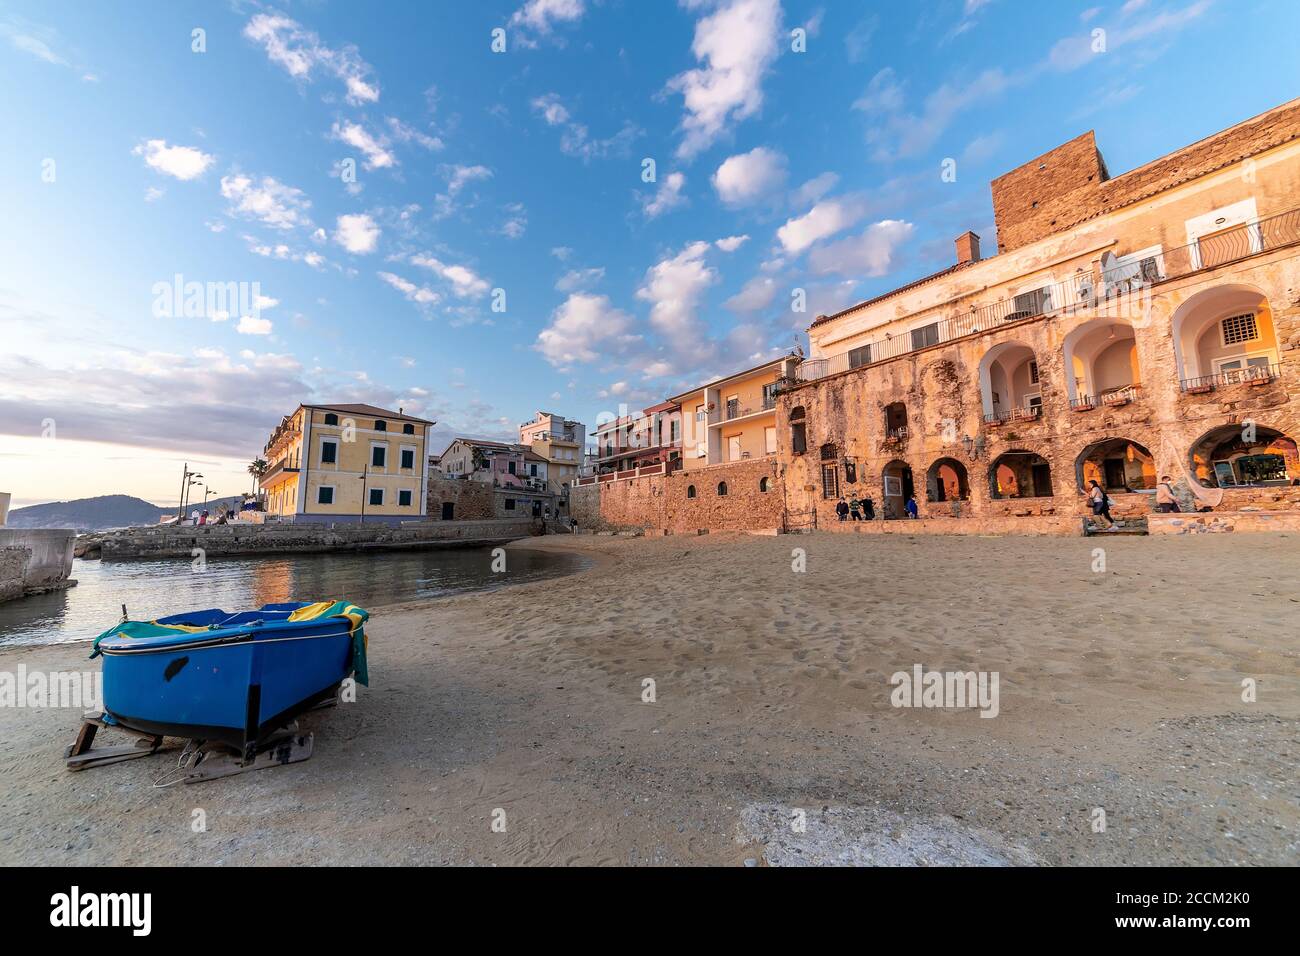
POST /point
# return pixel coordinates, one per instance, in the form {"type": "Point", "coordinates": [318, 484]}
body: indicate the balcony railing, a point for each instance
{"type": "Point", "coordinates": [1254, 375]}
{"type": "Point", "coordinates": [1113, 398]}
{"type": "Point", "coordinates": [289, 463]}
{"type": "Point", "coordinates": [1089, 290]}
{"type": "Point", "coordinates": [733, 409]}
{"type": "Point", "coordinates": [1025, 413]}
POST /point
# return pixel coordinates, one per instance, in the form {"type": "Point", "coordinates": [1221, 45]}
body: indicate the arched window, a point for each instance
{"type": "Point", "coordinates": [722, 489]}
{"type": "Point", "coordinates": [1020, 474]}
{"type": "Point", "coordinates": [381, 426]}
{"type": "Point", "coordinates": [331, 419]}
{"type": "Point", "coordinates": [798, 431]}
{"type": "Point", "coordinates": [408, 429]}
{"type": "Point", "coordinates": [690, 491]}
{"type": "Point", "coordinates": [763, 484]}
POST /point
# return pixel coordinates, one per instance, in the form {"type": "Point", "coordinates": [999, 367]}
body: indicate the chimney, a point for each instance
{"type": "Point", "coordinates": [968, 248]}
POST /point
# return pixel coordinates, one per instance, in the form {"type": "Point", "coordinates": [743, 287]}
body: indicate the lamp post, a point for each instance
{"type": "Point", "coordinates": [187, 479]}
{"type": "Point", "coordinates": [364, 472]}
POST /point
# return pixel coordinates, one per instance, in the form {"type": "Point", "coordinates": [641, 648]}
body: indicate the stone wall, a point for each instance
{"type": "Point", "coordinates": [50, 560]}
{"type": "Point", "coordinates": [299, 538]}
{"type": "Point", "coordinates": [470, 500]}
{"type": "Point", "coordinates": [13, 566]}
{"type": "Point", "coordinates": [1219, 522]}
{"type": "Point", "coordinates": [686, 501]}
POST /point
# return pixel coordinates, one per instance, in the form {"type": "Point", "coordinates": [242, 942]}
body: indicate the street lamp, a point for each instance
{"type": "Point", "coordinates": [187, 479]}
{"type": "Point", "coordinates": [364, 472]}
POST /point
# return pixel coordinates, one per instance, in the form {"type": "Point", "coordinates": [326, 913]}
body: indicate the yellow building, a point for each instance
{"type": "Point", "coordinates": [733, 418]}
{"type": "Point", "coordinates": [561, 442]}
{"type": "Point", "coordinates": [347, 463]}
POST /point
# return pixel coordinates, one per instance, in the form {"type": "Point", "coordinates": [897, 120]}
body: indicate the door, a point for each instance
{"type": "Point", "coordinates": [733, 448]}
{"type": "Point", "coordinates": [448, 510]}
{"type": "Point", "coordinates": [1114, 473]}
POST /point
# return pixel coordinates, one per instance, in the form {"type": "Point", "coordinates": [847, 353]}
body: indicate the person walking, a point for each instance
{"type": "Point", "coordinates": [911, 508]}
{"type": "Point", "coordinates": [1101, 504]}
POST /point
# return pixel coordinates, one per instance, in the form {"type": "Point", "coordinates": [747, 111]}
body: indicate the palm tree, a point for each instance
{"type": "Point", "coordinates": [257, 468]}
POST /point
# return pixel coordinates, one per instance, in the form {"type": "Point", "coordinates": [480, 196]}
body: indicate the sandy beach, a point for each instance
{"type": "Point", "coordinates": [1120, 690]}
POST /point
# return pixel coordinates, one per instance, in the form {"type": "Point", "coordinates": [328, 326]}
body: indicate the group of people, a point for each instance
{"type": "Point", "coordinates": [1166, 500]}
{"type": "Point", "coordinates": [864, 509]}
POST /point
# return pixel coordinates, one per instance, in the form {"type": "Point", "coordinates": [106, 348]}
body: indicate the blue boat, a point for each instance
{"type": "Point", "coordinates": [230, 678]}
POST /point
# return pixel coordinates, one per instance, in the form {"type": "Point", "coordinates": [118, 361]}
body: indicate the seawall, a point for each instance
{"type": "Point", "coordinates": [34, 560]}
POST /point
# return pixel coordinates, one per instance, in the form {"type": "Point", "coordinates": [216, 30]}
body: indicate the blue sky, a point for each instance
{"type": "Point", "coordinates": [498, 250]}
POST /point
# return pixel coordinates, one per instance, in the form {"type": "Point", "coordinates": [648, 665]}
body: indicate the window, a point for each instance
{"type": "Point", "coordinates": [830, 481]}
{"type": "Point", "coordinates": [329, 452]}
{"type": "Point", "coordinates": [860, 356]}
{"type": "Point", "coordinates": [381, 426]}
{"type": "Point", "coordinates": [1239, 328]}
{"type": "Point", "coordinates": [769, 395]}
{"type": "Point", "coordinates": [722, 489]}
{"type": "Point", "coordinates": [798, 433]}
{"type": "Point", "coordinates": [733, 406]}
{"type": "Point", "coordinates": [510, 467]}
{"type": "Point", "coordinates": [828, 451]}
{"type": "Point", "coordinates": [378, 456]}
{"type": "Point", "coordinates": [376, 496]}
{"type": "Point", "coordinates": [532, 471]}
{"type": "Point", "coordinates": [404, 498]}
{"type": "Point", "coordinates": [325, 495]}
{"type": "Point", "coordinates": [672, 430]}
{"type": "Point", "coordinates": [408, 457]}
{"type": "Point", "coordinates": [408, 429]}
{"type": "Point", "coordinates": [925, 335]}
{"type": "Point", "coordinates": [331, 419]}
{"type": "Point", "coordinates": [1033, 372]}
{"type": "Point", "coordinates": [763, 484]}
{"type": "Point", "coordinates": [690, 491]}
{"type": "Point", "coordinates": [769, 440]}
{"type": "Point", "coordinates": [1037, 302]}
{"type": "Point", "coordinates": [510, 504]}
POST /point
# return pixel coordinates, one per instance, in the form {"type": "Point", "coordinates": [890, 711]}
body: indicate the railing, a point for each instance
{"type": "Point", "coordinates": [644, 471]}
{"type": "Point", "coordinates": [1091, 289]}
{"type": "Point", "coordinates": [1253, 375]}
{"type": "Point", "coordinates": [1025, 413]}
{"type": "Point", "coordinates": [896, 434]}
{"type": "Point", "coordinates": [288, 463]}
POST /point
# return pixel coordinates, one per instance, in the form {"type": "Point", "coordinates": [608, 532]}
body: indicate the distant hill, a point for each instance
{"type": "Point", "coordinates": [98, 514]}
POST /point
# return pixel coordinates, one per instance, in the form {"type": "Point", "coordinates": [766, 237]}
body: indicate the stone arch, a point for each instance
{"type": "Point", "coordinates": [947, 480]}
{"type": "Point", "coordinates": [1101, 358]}
{"type": "Point", "coordinates": [1117, 464]}
{"type": "Point", "coordinates": [1008, 379]}
{"type": "Point", "coordinates": [1211, 330]}
{"type": "Point", "coordinates": [1244, 454]}
{"type": "Point", "coordinates": [1019, 473]}
{"type": "Point", "coordinates": [896, 486]}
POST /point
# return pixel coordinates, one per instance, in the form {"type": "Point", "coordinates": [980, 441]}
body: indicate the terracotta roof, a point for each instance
{"type": "Point", "coordinates": [373, 410]}
{"type": "Point", "coordinates": [949, 270]}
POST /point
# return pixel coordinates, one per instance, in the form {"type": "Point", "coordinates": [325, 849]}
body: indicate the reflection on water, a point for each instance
{"type": "Point", "coordinates": [152, 589]}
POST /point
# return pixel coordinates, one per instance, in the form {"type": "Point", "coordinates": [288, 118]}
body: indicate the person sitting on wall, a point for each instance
{"type": "Point", "coordinates": [868, 508]}
{"type": "Point", "coordinates": [855, 509]}
{"type": "Point", "coordinates": [1166, 502]}
{"type": "Point", "coordinates": [912, 510]}
{"type": "Point", "coordinates": [842, 509]}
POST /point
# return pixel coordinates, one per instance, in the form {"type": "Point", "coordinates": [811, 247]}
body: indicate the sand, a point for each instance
{"type": "Point", "coordinates": [1119, 690]}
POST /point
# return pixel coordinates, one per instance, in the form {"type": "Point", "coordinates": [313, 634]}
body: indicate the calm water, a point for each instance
{"type": "Point", "coordinates": [152, 589]}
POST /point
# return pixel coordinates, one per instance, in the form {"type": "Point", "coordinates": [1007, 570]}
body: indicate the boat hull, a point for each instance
{"type": "Point", "coordinates": [233, 690]}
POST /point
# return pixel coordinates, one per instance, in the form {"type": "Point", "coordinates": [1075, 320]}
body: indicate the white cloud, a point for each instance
{"type": "Point", "coordinates": [757, 294]}
{"type": "Point", "coordinates": [675, 287]}
{"type": "Point", "coordinates": [870, 254]}
{"type": "Point", "coordinates": [465, 283]}
{"type": "Point", "coordinates": [575, 138]}
{"type": "Point", "coordinates": [409, 134]}
{"type": "Point", "coordinates": [737, 44]}
{"type": "Point", "coordinates": [731, 243]}
{"type": "Point", "coordinates": [542, 15]}
{"type": "Point", "coordinates": [421, 295]}
{"type": "Point", "coordinates": [516, 221]}
{"type": "Point", "coordinates": [582, 327]}
{"type": "Point", "coordinates": [814, 189]}
{"type": "Point", "coordinates": [248, 325]}
{"type": "Point", "coordinates": [374, 148]}
{"type": "Point", "coordinates": [824, 219]}
{"type": "Point", "coordinates": [182, 162]}
{"type": "Point", "coordinates": [576, 279]}
{"type": "Point", "coordinates": [357, 233]}
{"type": "Point", "coordinates": [268, 201]}
{"type": "Point", "coordinates": [300, 51]}
{"type": "Point", "coordinates": [746, 178]}
{"type": "Point", "coordinates": [667, 196]}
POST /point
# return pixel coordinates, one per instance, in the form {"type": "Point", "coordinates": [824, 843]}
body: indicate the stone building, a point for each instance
{"type": "Point", "coordinates": [1130, 327]}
